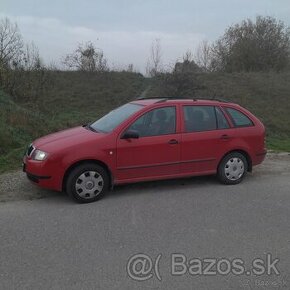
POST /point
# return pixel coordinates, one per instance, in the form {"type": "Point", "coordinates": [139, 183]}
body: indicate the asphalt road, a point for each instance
{"type": "Point", "coordinates": [53, 243]}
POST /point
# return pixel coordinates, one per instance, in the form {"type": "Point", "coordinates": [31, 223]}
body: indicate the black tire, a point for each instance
{"type": "Point", "coordinates": [230, 168]}
{"type": "Point", "coordinates": [94, 180]}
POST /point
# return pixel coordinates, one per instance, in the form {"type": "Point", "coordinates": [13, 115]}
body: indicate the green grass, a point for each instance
{"type": "Point", "coordinates": [18, 126]}
{"type": "Point", "coordinates": [12, 160]}
{"type": "Point", "coordinates": [75, 98]}
{"type": "Point", "coordinates": [266, 95]}
{"type": "Point", "coordinates": [278, 145]}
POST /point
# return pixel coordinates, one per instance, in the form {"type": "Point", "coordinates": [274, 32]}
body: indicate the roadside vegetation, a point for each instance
{"type": "Point", "coordinates": [249, 65]}
{"type": "Point", "coordinates": [75, 98]}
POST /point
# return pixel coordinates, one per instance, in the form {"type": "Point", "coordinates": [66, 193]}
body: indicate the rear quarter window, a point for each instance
{"type": "Point", "coordinates": [239, 119]}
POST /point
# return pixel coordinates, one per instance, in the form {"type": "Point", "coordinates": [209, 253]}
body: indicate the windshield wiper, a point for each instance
{"type": "Point", "coordinates": [89, 127]}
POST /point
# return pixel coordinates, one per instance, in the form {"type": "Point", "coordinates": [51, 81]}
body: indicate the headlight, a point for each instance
{"type": "Point", "coordinates": [39, 155]}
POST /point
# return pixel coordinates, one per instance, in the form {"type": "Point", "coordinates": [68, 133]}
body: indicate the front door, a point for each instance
{"type": "Point", "coordinates": [156, 152]}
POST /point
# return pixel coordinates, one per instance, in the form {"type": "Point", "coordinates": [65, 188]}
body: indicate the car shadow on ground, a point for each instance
{"type": "Point", "coordinates": [144, 187]}
{"type": "Point", "coordinates": [161, 185]}
{"type": "Point", "coordinates": [25, 190]}
{"type": "Point", "coordinates": [193, 182]}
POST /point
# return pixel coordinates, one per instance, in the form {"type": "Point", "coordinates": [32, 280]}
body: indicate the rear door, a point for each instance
{"type": "Point", "coordinates": [156, 152]}
{"type": "Point", "coordinates": [204, 138]}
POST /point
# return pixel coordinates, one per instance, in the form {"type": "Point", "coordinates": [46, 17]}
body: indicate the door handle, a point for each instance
{"type": "Point", "coordinates": [173, 141]}
{"type": "Point", "coordinates": [225, 137]}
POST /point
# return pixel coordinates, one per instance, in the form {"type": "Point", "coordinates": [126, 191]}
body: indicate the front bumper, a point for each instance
{"type": "Point", "coordinates": [36, 178]}
{"type": "Point", "coordinates": [43, 173]}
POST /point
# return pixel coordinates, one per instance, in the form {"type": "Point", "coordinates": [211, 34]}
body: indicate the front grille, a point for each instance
{"type": "Point", "coordinates": [30, 150]}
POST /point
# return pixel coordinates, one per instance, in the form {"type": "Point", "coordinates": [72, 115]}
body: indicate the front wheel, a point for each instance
{"type": "Point", "coordinates": [232, 168]}
{"type": "Point", "coordinates": [87, 183]}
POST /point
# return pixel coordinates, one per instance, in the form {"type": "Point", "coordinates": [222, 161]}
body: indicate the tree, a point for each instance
{"type": "Point", "coordinates": [130, 68]}
{"type": "Point", "coordinates": [187, 65]}
{"type": "Point", "coordinates": [22, 73]}
{"type": "Point", "coordinates": [27, 76]}
{"type": "Point", "coordinates": [11, 42]}
{"type": "Point", "coordinates": [86, 58]}
{"type": "Point", "coordinates": [203, 56]}
{"type": "Point", "coordinates": [260, 45]}
{"type": "Point", "coordinates": [31, 58]}
{"type": "Point", "coordinates": [154, 63]}
{"type": "Point", "coordinates": [11, 45]}
{"type": "Point", "coordinates": [183, 81]}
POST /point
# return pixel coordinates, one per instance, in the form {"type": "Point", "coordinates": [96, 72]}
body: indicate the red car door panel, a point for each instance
{"type": "Point", "coordinates": [148, 156]}
{"type": "Point", "coordinates": [201, 151]}
{"type": "Point", "coordinates": [205, 138]}
{"type": "Point", "coordinates": [156, 152]}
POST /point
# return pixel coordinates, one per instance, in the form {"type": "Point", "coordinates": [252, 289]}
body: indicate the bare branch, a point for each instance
{"type": "Point", "coordinates": [203, 56]}
{"type": "Point", "coordinates": [11, 42]}
{"type": "Point", "coordinates": [154, 63]}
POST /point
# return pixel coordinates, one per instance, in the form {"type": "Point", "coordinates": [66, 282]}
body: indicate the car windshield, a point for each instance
{"type": "Point", "coordinates": [110, 121]}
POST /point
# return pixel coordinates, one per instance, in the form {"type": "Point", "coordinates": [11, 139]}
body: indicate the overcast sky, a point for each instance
{"type": "Point", "coordinates": [125, 29]}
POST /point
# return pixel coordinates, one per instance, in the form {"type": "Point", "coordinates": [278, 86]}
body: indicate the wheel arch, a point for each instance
{"type": "Point", "coordinates": [243, 152]}
{"type": "Point", "coordinates": [78, 163]}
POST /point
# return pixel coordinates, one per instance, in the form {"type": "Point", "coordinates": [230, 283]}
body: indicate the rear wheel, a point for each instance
{"type": "Point", "coordinates": [232, 168]}
{"type": "Point", "coordinates": [87, 183]}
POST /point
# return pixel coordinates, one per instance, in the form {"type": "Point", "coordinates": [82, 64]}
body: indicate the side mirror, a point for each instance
{"type": "Point", "coordinates": [130, 134]}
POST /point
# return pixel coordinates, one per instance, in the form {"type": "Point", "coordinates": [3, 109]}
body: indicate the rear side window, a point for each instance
{"type": "Point", "coordinates": [239, 119]}
{"type": "Point", "coordinates": [199, 118]}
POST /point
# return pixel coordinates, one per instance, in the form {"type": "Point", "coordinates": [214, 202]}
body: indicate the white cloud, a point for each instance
{"type": "Point", "coordinates": [55, 38]}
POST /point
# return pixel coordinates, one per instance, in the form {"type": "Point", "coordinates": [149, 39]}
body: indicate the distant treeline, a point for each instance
{"type": "Point", "coordinates": [261, 45]}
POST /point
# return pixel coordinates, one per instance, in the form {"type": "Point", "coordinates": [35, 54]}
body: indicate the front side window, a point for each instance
{"type": "Point", "coordinates": [113, 119]}
{"type": "Point", "coordinates": [161, 121]}
{"type": "Point", "coordinates": [199, 118]}
{"type": "Point", "coordinates": [239, 119]}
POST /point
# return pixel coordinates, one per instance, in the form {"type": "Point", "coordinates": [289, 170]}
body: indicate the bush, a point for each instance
{"type": "Point", "coordinates": [263, 45]}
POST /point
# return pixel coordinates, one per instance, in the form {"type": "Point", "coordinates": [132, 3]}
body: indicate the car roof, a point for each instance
{"type": "Point", "coordinates": [185, 101]}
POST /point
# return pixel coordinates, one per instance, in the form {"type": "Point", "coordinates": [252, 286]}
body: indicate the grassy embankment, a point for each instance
{"type": "Point", "coordinates": [77, 98]}
{"type": "Point", "coordinates": [73, 99]}
{"type": "Point", "coordinates": [267, 95]}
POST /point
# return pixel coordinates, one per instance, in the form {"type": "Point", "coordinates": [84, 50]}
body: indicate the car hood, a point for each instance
{"type": "Point", "coordinates": [66, 138]}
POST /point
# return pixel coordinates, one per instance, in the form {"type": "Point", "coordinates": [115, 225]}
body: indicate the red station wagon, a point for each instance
{"type": "Point", "coordinates": [149, 139]}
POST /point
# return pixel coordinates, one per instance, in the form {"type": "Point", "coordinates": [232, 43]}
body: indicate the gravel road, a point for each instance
{"type": "Point", "coordinates": [49, 242]}
{"type": "Point", "coordinates": [15, 186]}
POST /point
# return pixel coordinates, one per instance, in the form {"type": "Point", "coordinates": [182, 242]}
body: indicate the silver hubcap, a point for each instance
{"type": "Point", "coordinates": [234, 168]}
{"type": "Point", "coordinates": [89, 184]}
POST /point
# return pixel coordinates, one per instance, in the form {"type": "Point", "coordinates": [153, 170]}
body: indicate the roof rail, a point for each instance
{"type": "Point", "coordinates": [213, 99]}
{"type": "Point", "coordinates": [150, 98]}
{"type": "Point", "coordinates": [163, 99]}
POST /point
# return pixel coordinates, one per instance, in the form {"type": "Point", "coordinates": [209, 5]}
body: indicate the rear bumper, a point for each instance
{"type": "Point", "coordinates": [259, 157]}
